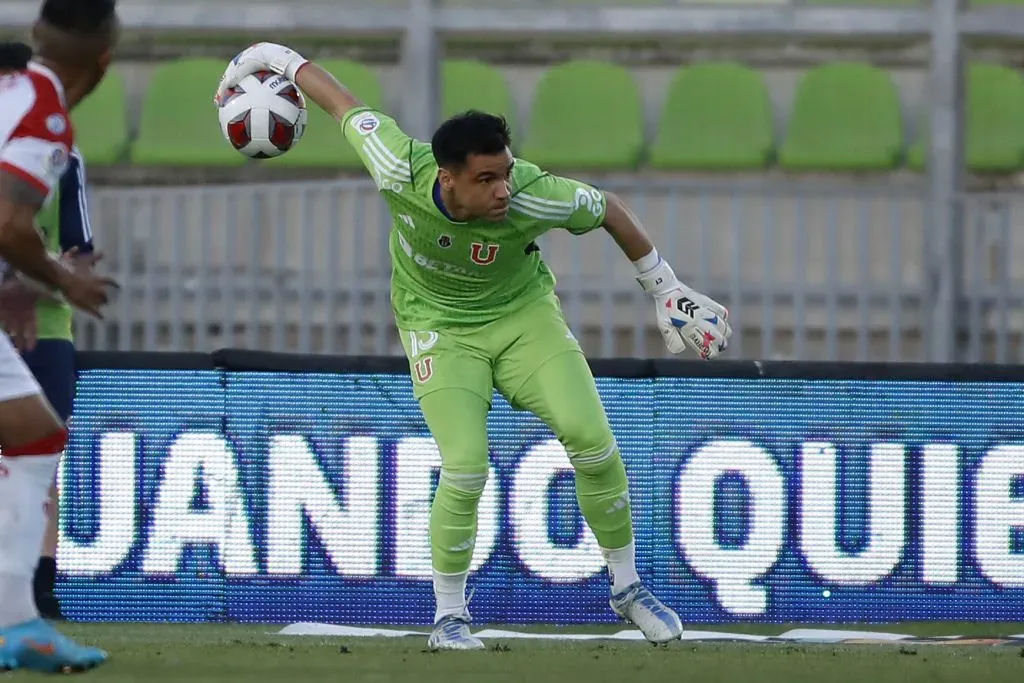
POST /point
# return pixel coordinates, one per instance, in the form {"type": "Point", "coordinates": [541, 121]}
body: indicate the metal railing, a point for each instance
{"type": "Point", "coordinates": [809, 271]}
{"type": "Point", "coordinates": [948, 288]}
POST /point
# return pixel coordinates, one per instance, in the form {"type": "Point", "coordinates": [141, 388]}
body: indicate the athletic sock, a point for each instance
{"type": "Point", "coordinates": [24, 491]}
{"type": "Point", "coordinates": [449, 594]}
{"type": "Point", "coordinates": [45, 580]}
{"type": "Point", "coordinates": [621, 567]}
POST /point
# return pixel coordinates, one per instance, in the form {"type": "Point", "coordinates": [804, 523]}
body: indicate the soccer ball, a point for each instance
{"type": "Point", "coordinates": [263, 116]}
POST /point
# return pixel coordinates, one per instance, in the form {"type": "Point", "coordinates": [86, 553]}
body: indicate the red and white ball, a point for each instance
{"type": "Point", "coordinates": [263, 116]}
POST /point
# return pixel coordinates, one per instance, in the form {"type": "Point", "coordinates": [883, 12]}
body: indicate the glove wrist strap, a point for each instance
{"type": "Point", "coordinates": [658, 280]}
{"type": "Point", "coordinates": [292, 68]}
{"type": "Point", "coordinates": [286, 62]}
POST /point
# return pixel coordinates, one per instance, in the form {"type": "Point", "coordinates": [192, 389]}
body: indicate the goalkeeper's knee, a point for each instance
{"type": "Point", "coordinates": [466, 482]}
{"type": "Point", "coordinates": [591, 448]}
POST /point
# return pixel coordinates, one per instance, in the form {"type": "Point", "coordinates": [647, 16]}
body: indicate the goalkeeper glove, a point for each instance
{"type": "Point", "coordinates": [260, 57]}
{"type": "Point", "coordinates": [686, 319]}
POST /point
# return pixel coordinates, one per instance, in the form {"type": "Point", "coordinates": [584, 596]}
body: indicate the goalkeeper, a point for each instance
{"type": "Point", "coordinates": [476, 310]}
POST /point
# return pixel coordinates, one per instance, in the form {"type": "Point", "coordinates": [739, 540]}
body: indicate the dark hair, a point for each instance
{"type": "Point", "coordinates": [86, 17]}
{"type": "Point", "coordinates": [14, 56]}
{"type": "Point", "coordinates": [472, 132]}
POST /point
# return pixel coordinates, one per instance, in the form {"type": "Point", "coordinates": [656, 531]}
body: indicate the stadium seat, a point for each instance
{"type": "Point", "coordinates": [179, 125]}
{"type": "Point", "coordinates": [469, 84]}
{"type": "Point", "coordinates": [994, 126]}
{"type": "Point", "coordinates": [717, 116]}
{"type": "Point", "coordinates": [101, 123]}
{"type": "Point", "coordinates": [586, 115]}
{"type": "Point", "coordinates": [845, 117]}
{"type": "Point", "coordinates": [323, 145]}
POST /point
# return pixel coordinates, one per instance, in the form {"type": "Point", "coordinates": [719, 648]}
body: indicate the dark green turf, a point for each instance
{"type": "Point", "coordinates": [150, 653]}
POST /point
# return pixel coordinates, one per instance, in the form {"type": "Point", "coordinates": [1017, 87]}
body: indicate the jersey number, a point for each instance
{"type": "Point", "coordinates": [481, 257]}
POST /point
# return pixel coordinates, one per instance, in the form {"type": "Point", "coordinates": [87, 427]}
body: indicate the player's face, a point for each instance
{"type": "Point", "coordinates": [483, 188]}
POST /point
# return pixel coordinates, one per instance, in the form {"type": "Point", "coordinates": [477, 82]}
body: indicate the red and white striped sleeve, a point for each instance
{"type": "Point", "coordinates": [35, 130]}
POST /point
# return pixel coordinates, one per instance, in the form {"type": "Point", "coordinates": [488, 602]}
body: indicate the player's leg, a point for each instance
{"type": "Point", "coordinates": [32, 437]}
{"type": "Point", "coordinates": [457, 420]}
{"type": "Point", "coordinates": [546, 373]}
{"type": "Point", "coordinates": [52, 362]}
{"type": "Point", "coordinates": [452, 382]}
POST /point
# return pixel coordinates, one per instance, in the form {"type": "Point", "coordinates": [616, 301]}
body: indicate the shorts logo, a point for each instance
{"type": "Point", "coordinates": [424, 369]}
{"type": "Point", "coordinates": [481, 257]}
{"type": "Point", "coordinates": [56, 124]}
{"type": "Point", "coordinates": [444, 241]}
{"type": "Point", "coordinates": [366, 123]}
{"type": "Point", "coordinates": [4, 472]}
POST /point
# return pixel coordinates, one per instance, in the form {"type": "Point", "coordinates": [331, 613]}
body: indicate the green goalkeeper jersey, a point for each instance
{"type": "Point", "coordinates": [451, 274]}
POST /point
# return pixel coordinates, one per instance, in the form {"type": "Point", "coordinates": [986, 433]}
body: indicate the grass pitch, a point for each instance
{"type": "Point", "coordinates": [200, 653]}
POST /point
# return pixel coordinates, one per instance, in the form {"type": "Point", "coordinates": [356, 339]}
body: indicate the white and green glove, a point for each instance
{"type": "Point", "coordinates": [260, 57]}
{"type": "Point", "coordinates": [686, 318]}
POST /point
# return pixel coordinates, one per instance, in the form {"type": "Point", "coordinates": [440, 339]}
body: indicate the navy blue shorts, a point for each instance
{"type": "Point", "coordinates": [52, 362]}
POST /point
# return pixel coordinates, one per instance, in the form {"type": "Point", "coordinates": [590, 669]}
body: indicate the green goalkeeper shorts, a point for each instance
{"type": "Point", "coordinates": [500, 355]}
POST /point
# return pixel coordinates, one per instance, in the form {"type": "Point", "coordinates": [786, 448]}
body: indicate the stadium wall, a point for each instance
{"type": "Point", "coordinates": [255, 487]}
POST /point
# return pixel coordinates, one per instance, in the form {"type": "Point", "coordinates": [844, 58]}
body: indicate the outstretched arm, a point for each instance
{"type": "Point", "coordinates": [685, 317]}
{"type": "Point", "coordinates": [625, 228]}
{"type": "Point", "coordinates": [323, 88]}
{"type": "Point", "coordinates": [385, 150]}
{"type": "Point", "coordinates": [317, 83]}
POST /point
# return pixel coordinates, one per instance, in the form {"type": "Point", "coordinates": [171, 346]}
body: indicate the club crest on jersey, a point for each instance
{"type": "Point", "coordinates": [444, 241]}
{"type": "Point", "coordinates": [483, 256]}
{"type": "Point", "coordinates": [56, 124]}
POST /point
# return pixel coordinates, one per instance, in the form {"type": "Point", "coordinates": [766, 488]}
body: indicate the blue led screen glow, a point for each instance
{"type": "Point", "coordinates": [278, 497]}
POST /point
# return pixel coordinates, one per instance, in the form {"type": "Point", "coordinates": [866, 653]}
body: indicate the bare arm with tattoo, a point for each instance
{"type": "Point", "coordinates": [22, 247]}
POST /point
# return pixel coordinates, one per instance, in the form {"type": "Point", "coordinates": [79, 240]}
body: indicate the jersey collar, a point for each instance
{"type": "Point", "coordinates": [58, 86]}
{"type": "Point", "coordinates": [436, 196]}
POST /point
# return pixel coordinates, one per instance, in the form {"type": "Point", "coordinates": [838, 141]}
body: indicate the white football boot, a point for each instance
{"type": "Point", "coordinates": [637, 605]}
{"type": "Point", "coordinates": [452, 633]}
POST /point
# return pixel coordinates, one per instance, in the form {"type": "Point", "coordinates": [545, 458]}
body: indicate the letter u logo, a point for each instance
{"type": "Point", "coordinates": [481, 257]}
{"type": "Point", "coordinates": [424, 369]}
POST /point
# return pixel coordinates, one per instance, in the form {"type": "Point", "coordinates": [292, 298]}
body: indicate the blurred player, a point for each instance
{"type": "Point", "coordinates": [66, 230]}
{"type": "Point", "coordinates": [476, 309]}
{"type": "Point", "coordinates": [40, 326]}
{"type": "Point", "coordinates": [74, 40]}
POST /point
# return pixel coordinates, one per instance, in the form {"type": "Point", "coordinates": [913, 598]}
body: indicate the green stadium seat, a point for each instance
{"type": "Point", "coordinates": [845, 117]}
{"type": "Point", "coordinates": [324, 145]}
{"type": "Point", "coordinates": [101, 123]}
{"type": "Point", "coordinates": [587, 115]}
{"type": "Point", "coordinates": [469, 84]}
{"type": "Point", "coordinates": [178, 125]}
{"type": "Point", "coordinates": [717, 116]}
{"type": "Point", "coordinates": [994, 126]}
